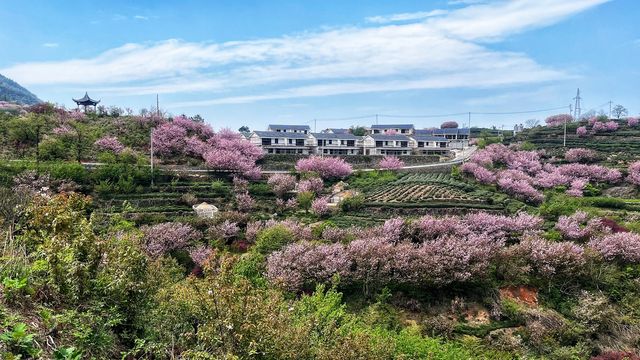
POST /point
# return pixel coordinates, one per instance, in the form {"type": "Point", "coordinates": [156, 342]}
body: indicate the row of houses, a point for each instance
{"type": "Point", "coordinates": [379, 140]}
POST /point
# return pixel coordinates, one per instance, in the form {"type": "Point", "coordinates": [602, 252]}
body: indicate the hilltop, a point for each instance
{"type": "Point", "coordinates": [12, 91]}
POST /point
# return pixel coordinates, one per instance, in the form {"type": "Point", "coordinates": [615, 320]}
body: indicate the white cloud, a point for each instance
{"type": "Point", "coordinates": [50, 45]}
{"type": "Point", "coordinates": [405, 16]}
{"type": "Point", "coordinates": [140, 17]}
{"type": "Point", "coordinates": [447, 51]}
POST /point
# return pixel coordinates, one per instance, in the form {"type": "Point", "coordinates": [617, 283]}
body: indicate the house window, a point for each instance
{"type": "Point", "coordinates": [403, 131]}
{"type": "Point", "coordinates": [404, 144]}
{"type": "Point", "coordinates": [351, 143]}
{"type": "Point", "coordinates": [379, 144]}
{"type": "Point", "coordinates": [341, 142]}
{"type": "Point", "coordinates": [420, 143]}
{"type": "Point", "coordinates": [443, 144]}
{"type": "Point", "coordinates": [290, 141]}
{"type": "Point", "coordinates": [275, 141]}
{"type": "Point", "coordinates": [266, 141]}
{"type": "Point", "coordinates": [299, 142]}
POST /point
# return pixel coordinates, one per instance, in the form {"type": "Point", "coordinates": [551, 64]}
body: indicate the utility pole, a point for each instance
{"type": "Point", "coordinates": [577, 109]}
{"type": "Point", "coordinates": [610, 102]}
{"type": "Point", "coordinates": [571, 110]}
{"type": "Point", "coordinates": [158, 105]}
{"type": "Point", "coordinates": [315, 125]}
{"type": "Point", "coordinates": [469, 123]}
{"type": "Point", "coordinates": [151, 140]}
{"type": "Point", "coordinates": [376, 119]}
{"type": "Point", "coordinates": [564, 138]}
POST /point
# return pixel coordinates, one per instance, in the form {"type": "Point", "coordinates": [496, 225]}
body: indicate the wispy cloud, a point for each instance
{"type": "Point", "coordinates": [465, 2]}
{"type": "Point", "coordinates": [445, 51]}
{"type": "Point", "coordinates": [140, 17]}
{"type": "Point", "coordinates": [405, 16]}
{"type": "Point", "coordinates": [50, 45]}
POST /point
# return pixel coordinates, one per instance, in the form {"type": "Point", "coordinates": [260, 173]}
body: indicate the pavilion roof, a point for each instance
{"type": "Point", "coordinates": [86, 100]}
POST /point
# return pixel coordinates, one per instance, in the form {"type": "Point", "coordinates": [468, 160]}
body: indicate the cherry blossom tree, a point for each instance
{"type": "Point", "coordinates": [165, 237]}
{"type": "Point", "coordinates": [449, 125]}
{"type": "Point", "coordinates": [312, 184]}
{"type": "Point", "coordinates": [581, 131]}
{"type": "Point", "coordinates": [320, 206]}
{"type": "Point", "coordinates": [109, 143]}
{"type": "Point", "coordinates": [623, 246]}
{"type": "Point", "coordinates": [281, 183]}
{"type": "Point", "coordinates": [557, 120]}
{"type": "Point", "coordinates": [632, 121]}
{"type": "Point", "coordinates": [391, 163]}
{"type": "Point", "coordinates": [634, 173]}
{"type": "Point", "coordinates": [326, 167]}
{"type": "Point", "coordinates": [580, 155]}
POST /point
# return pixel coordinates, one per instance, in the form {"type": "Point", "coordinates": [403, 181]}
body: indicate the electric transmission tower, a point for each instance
{"type": "Point", "coordinates": [577, 109]}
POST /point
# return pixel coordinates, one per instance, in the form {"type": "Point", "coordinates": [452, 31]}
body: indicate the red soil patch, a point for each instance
{"type": "Point", "coordinates": [527, 295]}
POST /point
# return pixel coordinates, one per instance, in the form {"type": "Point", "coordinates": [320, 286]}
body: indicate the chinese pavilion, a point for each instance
{"type": "Point", "coordinates": [86, 101]}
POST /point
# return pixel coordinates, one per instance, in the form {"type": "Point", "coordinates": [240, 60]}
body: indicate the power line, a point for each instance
{"type": "Point", "coordinates": [519, 112]}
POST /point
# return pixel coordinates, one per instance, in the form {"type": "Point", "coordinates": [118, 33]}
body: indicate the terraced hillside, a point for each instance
{"type": "Point", "coordinates": [625, 140]}
{"type": "Point", "coordinates": [433, 190]}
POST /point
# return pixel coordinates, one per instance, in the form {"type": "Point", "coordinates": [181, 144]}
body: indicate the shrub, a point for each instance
{"type": "Point", "coordinates": [273, 239]}
{"type": "Point", "coordinates": [353, 203]}
{"type": "Point", "coordinates": [305, 199]}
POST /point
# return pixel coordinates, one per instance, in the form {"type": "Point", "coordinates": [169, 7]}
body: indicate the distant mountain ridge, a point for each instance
{"type": "Point", "coordinates": [12, 91]}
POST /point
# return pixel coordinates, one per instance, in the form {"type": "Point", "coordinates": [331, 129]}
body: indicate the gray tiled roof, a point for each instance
{"type": "Point", "coordinates": [276, 134]}
{"type": "Point", "coordinates": [337, 131]}
{"type": "Point", "coordinates": [428, 138]}
{"type": "Point", "coordinates": [384, 137]}
{"type": "Point", "coordinates": [293, 127]}
{"type": "Point", "coordinates": [393, 126]}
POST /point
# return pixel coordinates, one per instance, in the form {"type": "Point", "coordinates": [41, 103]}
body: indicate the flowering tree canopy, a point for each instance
{"type": "Point", "coordinates": [109, 143]}
{"type": "Point", "coordinates": [326, 167]}
{"type": "Point", "coordinates": [282, 183]}
{"type": "Point", "coordinates": [390, 162]}
{"type": "Point", "coordinates": [580, 155]}
{"type": "Point", "coordinates": [449, 125]}
{"type": "Point", "coordinates": [557, 120]}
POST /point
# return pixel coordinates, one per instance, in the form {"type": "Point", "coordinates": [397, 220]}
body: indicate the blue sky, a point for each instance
{"type": "Point", "coordinates": [291, 61]}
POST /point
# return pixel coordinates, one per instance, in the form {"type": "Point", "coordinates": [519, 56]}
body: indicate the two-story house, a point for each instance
{"type": "Point", "coordinates": [382, 144]}
{"type": "Point", "coordinates": [457, 138]}
{"type": "Point", "coordinates": [430, 145]}
{"type": "Point", "coordinates": [404, 129]}
{"type": "Point", "coordinates": [302, 129]}
{"type": "Point", "coordinates": [274, 142]}
{"type": "Point", "coordinates": [336, 144]}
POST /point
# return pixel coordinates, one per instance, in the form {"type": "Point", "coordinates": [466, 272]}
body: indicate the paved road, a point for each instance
{"type": "Point", "coordinates": [461, 157]}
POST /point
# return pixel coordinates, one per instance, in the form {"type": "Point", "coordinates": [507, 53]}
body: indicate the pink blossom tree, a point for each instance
{"type": "Point", "coordinates": [390, 163]}
{"type": "Point", "coordinates": [623, 246]}
{"type": "Point", "coordinates": [580, 155]}
{"type": "Point", "coordinates": [632, 121]}
{"type": "Point", "coordinates": [312, 185]}
{"type": "Point", "coordinates": [245, 202]}
{"type": "Point", "coordinates": [109, 143]}
{"type": "Point", "coordinates": [326, 167]}
{"type": "Point", "coordinates": [634, 173]}
{"type": "Point", "coordinates": [169, 139]}
{"type": "Point", "coordinates": [449, 125]}
{"type": "Point", "coordinates": [165, 237]}
{"type": "Point", "coordinates": [320, 206]}
{"type": "Point", "coordinates": [557, 120]}
{"type": "Point", "coordinates": [281, 183]}
{"type": "Point", "coordinates": [582, 131]}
